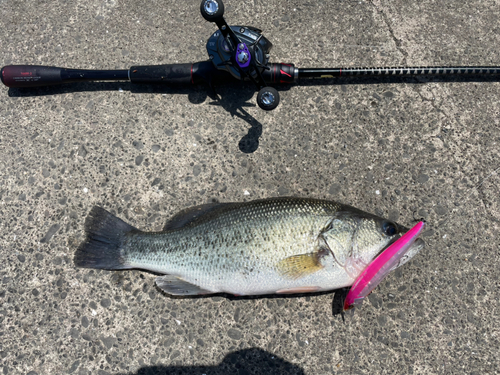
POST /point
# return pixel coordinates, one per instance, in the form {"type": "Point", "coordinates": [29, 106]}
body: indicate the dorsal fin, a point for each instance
{"type": "Point", "coordinates": [191, 215]}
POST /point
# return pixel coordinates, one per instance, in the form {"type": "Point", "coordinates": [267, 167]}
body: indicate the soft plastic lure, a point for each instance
{"type": "Point", "coordinates": [380, 267]}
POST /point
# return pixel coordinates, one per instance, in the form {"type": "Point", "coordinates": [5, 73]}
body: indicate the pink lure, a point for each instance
{"type": "Point", "coordinates": [380, 267]}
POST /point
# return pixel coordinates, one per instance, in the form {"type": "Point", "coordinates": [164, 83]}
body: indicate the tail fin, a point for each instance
{"type": "Point", "coordinates": [105, 236]}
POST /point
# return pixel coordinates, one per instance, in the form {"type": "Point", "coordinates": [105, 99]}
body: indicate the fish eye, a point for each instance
{"type": "Point", "coordinates": [389, 228]}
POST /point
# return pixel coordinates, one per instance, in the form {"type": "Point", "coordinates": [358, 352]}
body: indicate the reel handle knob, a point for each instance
{"type": "Point", "coordinates": [212, 10]}
{"type": "Point", "coordinates": [268, 98]}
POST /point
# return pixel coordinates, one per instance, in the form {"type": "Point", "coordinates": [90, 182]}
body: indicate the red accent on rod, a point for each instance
{"type": "Point", "coordinates": [282, 72]}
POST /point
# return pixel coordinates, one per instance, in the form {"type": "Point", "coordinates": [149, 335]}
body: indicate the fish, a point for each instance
{"type": "Point", "coordinates": [282, 245]}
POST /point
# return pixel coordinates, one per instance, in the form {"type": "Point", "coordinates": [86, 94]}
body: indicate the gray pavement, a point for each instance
{"type": "Point", "coordinates": [403, 150]}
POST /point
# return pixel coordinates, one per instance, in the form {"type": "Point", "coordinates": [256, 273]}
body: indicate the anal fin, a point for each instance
{"type": "Point", "coordinates": [178, 287]}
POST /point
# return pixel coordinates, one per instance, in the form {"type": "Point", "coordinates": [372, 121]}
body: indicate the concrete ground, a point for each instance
{"type": "Point", "coordinates": [405, 149]}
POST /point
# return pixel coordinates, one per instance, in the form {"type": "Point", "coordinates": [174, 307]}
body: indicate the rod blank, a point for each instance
{"type": "Point", "coordinates": [412, 71]}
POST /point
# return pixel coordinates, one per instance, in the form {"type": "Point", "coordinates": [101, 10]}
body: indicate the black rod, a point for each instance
{"type": "Point", "coordinates": [75, 75]}
{"type": "Point", "coordinates": [35, 75]}
{"type": "Point", "coordinates": [412, 71]}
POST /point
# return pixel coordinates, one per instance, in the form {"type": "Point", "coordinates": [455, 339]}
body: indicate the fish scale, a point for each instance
{"type": "Point", "coordinates": [261, 233]}
{"type": "Point", "coordinates": [258, 247]}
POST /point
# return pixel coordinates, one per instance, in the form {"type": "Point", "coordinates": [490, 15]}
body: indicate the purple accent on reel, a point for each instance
{"type": "Point", "coordinates": [243, 56]}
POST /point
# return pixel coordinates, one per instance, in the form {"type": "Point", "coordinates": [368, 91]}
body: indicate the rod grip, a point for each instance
{"type": "Point", "coordinates": [30, 75]}
{"type": "Point", "coordinates": [174, 74]}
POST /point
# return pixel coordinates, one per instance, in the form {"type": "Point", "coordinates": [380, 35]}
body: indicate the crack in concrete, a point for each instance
{"type": "Point", "coordinates": [482, 195]}
{"type": "Point", "coordinates": [397, 41]}
{"type": "Point", "coordinates": [401, 50]}
{"type": "Point", "coordinates": [431, 101]}
{"type": "Point", "coordinates": [481, 200]}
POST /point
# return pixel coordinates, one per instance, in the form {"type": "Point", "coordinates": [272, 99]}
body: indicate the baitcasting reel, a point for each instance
{"type": "Point", "coordinates": [240, 50]}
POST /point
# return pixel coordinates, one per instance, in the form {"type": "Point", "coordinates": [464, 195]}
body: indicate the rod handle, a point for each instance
{"type": "Point", "coordinates": [173, 74]}
{"type": "Point", "coordinates": [30, 75]}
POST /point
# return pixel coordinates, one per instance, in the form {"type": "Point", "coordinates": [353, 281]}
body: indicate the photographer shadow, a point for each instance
{"type": "Point", "coordinates": [241, 362]}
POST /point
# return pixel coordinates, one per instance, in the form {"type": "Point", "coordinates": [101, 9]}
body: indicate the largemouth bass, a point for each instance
{"type": "Point", "coordinates": [276, 245]}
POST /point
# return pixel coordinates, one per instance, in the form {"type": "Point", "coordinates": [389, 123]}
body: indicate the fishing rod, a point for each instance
{"type": "Point", "coordinates": [239, 53]}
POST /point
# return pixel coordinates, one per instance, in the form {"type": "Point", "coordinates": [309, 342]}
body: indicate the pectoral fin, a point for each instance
{"type": "Point", "coordinates": [298, 266]}
{"type": "Point", "coordinates": [176, 286]}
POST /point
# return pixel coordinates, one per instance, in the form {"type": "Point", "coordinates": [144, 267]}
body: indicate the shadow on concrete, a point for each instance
{"type": "Point", "coordinates": [231, 97]}
{"type": "Point", "coordinates": [234, 97]}
{"type": "Point", "coordinates": [338, 302]}
{"type": "Point", "coordinates": [339, 296]}
{"type": "Point", "coordinates": [242, 362]}
{"type": "Point", "coordinates": [195, 94]}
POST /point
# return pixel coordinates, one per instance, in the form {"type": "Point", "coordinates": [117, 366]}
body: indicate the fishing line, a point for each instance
{"type": "Point", "coordinates": [481, 183]}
